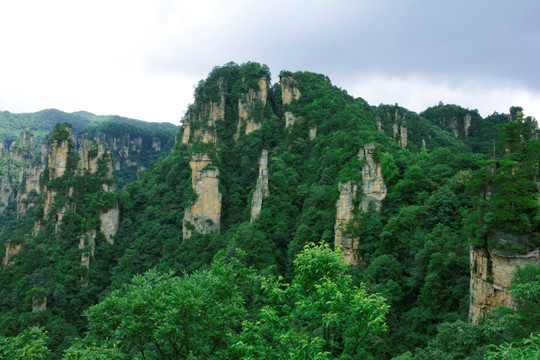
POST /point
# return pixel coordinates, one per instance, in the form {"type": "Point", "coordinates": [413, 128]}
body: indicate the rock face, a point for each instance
{"type": "Point", "coordinates": [289, 119]}
{"type": "Point", "coordinates": [289, 93]}
{"type": "Point", "coordinates": [128, 150]}
{"type": "Point", "coordinates": [457, 125]}
{"type": "Point", "coordinates": [205, 213]}
{"type": "Point", "coordinates": [399, 129]}
{"type": "Point", "coordinates": [93, 159]}
{"type": "Point", "coordinates": [374, 191]}
{"type": "Point", "coordinates": [373, 185]}
{"type": "Point", "coordinates": [312, 132]}
{"type": "Point", "coordinates": [12, 249]}
{"type": "Point", "coordinates": [345, 208]}
{"type": "Point", "coordinates": [59, 152]}
{"type": "Point", "coordinates": [467, 124]}
{"type": "Point", "coordinates": [261, 191]}
{"type": "Point", "coordinates": [491, 276]}
{"type": "Point", "coordinates": [199, 123]}
{"type": "Point", "coordinates": [20, 170]}
{"type": "Point", "coordinates": [250, 108]}
{"type": "Point", "coordinates": [289, 89]}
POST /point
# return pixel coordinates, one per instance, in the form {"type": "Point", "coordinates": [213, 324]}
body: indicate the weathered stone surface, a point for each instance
{"type": "Point", "coordinates": [110, 223]}
{"type": "Point", "coordinates": [349, 243]}
{"type": "Point", "coordinates": [20, 178]}
{"type": "Point", "coordinates": [467, 124]}
{"type": "Point", "coordinates": [261, 190]}
{"type": "Point", "coordinates": [399, 129]}
{"type": "Point", "coordinates": [248, 117]}
{"type": "Point", "coordinates": [58, 156]}
{"type": "Point", "coordinates": [31, 185]}
{"type": "Point", "coordinates": [312, 132]}
{"type": "Point", "coordinates": [374, 191]}
{"type": "Point", "coordinates": [205, 213]}
{"type": "Point", "coordinates": [12, 249]}
{"type": "Point", "coordinates": [205, 116]}
{"type": "Point", "coordinates": [373, 185]}
{"type": "Point", "coordinates": [289, 119]}
{"type": "Point", "coordinates": [491, 276]}
{"type": "Point", "coordinates": [289, 89]}
{"type": "Point", "coordinates": [6, 192]}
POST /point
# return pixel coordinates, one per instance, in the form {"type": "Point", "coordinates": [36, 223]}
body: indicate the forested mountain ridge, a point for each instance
{"type": "Point", "coordinates": [228, 219]}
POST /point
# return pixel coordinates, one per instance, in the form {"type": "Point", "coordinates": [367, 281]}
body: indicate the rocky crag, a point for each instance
{"type": "Point", "coordinates": [373, 193]}
{"type": "Point", "coordinates": [20, 169]}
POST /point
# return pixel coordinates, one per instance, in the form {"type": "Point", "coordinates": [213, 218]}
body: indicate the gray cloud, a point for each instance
{"type": "Point", "coordinates": [458, 38]}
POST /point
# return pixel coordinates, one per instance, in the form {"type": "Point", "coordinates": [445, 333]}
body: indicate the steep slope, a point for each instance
{"type": "Point", "coordinates": [259, 171]}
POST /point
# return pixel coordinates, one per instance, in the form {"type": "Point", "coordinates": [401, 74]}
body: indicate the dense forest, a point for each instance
{"type": "Point", "coordinates": [287, 221]}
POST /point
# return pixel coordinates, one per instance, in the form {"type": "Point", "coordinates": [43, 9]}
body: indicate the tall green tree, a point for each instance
{"type": "Point", "coordinates": [319, 315]}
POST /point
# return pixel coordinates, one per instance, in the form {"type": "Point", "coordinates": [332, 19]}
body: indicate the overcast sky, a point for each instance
{"type": "Point", "coordinates": [142, 59]}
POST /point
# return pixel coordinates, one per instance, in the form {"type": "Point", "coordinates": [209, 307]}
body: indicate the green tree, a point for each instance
{"type": "Point", "coordinates": [319, 315]}
{"type": "Point", "coordinates": [28, 345]}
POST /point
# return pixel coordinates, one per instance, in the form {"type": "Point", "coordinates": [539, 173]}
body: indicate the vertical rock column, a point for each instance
{"type": "Point", "coordinates": [204, 215]}
{"type": "Point", "coordinates": [374, 191]}
{"type": "Point", "coordinates": [248, 116]}
{"type": "Point", "coordinates": [289, 93]}
{"type": "Point", "coordinates": [373, 185]}
{"type": "Point", "coordinates": [261, 191]}
{"type": "Point", "coordinates": [199, 123]}
{"type": "Point", "coordinates": [349, 243]}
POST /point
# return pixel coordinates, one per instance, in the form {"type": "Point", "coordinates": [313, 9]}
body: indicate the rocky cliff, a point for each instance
{"type": "Point", "coordinates": [204, 215]}
{"type": "Point", "coordinates": [12, 249]}
{"type": "Point", "coordinates": [289, 89]}
{"type": "Point", "coordinates": [491, 277]}
{"type": "Point", "coordinates": [200, 120]}
{"type": "Point", "coordinates": [373, 186]}
{"type": "Point", "coordinates": [251, 107]}
{"type": "Point", "coordinates": [80, 181]}
{"type": "Point", "coordinates": [373, 192]}
{"type": "Point", "coordinates": [261, 190]}
{"type": "Point", "coordinates": [345, 211]}
{"type": "Point", "coordinates": [20, 170]}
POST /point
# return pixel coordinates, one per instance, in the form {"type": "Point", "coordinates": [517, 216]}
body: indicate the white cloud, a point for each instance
{"type": "Point", "coordinates": [141, 58]}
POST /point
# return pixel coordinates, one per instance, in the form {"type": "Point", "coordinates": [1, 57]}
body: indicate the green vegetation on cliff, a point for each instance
{"type": "Point", "coordinates": [258, 287]}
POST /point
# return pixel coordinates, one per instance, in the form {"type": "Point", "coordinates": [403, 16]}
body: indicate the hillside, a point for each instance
{"type": "Point", "coordinates": [289, 220]}
{"type": "Point", "coordinates": [42, 122]}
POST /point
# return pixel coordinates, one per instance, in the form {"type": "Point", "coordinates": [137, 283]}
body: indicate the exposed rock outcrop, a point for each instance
{"type": "Point", "coordinates": [200, 120]}
{"type": "Point", "coordinates": [373, 186]}
{"type": "Point", "coordinates": [109, 223]}
{"type": "Point", "coordinates": [289, 119]}
{"type": "Point", "coordinates": [350, 243]}
{"type": "Point", "coordinates": [261, 191]}
{"type": "Point", "coordinates": [20, 173]}
{"type": "Point", "coordinates": [250, 108]}
{"type": "Point", "coordinates": [204, 215]}
{"type": "Point", "coordinates": [93, 158]}
{"type": "Point", "coordinates": [491, 276]}
{"type": "Point", "coordinates": [312, 132]}
{"type": "Point", "coordinates": [289, 89]}
{"type": "Point", "coordinates": [374, 191]}
{"type": "Point", "coordinates": [399, 129]}
{"type": "Point", "coordinates": [467, 119]}
{"type": "Point", "coordinates": [12, 249]}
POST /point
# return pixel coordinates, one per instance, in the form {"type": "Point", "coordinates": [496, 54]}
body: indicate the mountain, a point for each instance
{"type": "Point", "coordinates": [217, 240]}
{"type": "Point", "coordinates": [42, 122]}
